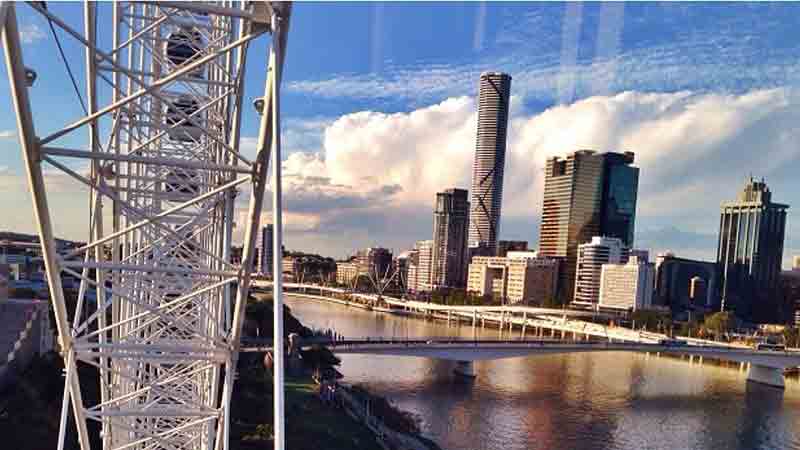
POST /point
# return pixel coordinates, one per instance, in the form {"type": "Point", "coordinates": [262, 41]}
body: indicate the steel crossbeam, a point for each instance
{"type": "Point", "coordinates": [160, 307]}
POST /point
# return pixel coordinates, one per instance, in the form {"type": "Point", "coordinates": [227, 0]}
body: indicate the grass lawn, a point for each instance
{"type": "Point", "coordinates": [310, 425]}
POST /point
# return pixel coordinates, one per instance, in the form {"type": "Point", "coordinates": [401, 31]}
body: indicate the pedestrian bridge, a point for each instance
{"type": "Point", "coordinates": [766, 366]}
{"type": "Point", "coordinates": [394, 302]}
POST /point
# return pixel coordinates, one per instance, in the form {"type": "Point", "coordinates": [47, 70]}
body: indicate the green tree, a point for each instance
{"type": "Point", "coordinates": [791, 336]}
{"type": "Point", "coordinates": [719, 323]}
{"type": "Point", "coordinates": [551, 302]}
{"type": "Point", "coordinates": [458, 297]}
{"type": "Point", "coordinates": [690, 329]}
{"type": "Point", "coordinates": [651, 320]}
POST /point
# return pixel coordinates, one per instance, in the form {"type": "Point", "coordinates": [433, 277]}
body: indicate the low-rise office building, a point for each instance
{"type": "Point", "coordinates": [591, 257]}
{"type": "Point", "coordinates": [674, 283]}
{"type": "Point", "coordinates": [521, 277]}
{"type": "Point", "coordinates": [346, 271]}
{"type": "Point", "coordinates": [627, 286]}
{"type": "Point", "coordinates": [291, 267]}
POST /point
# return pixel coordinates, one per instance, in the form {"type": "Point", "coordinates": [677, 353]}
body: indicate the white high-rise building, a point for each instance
{"type": "Point", "coordinates": [410, 273]}
{"type": "Point", "coordinates": [424, 266]}
{"type": "Point", "coordinates": [591, 257]}
{"type": "Point", "coordinates": [627, 286]}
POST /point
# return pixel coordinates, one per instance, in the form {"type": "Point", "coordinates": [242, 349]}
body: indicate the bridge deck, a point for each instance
{"type": "Point", "coordinates": [487, 349]}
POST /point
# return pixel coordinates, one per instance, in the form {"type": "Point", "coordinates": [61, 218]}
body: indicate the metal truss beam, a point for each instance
{"type": "Point", "coordinates": [163, 326]}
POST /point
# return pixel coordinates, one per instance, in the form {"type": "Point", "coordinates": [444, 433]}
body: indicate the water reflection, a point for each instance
{"type": "Point", "coordinates": [576, 401]}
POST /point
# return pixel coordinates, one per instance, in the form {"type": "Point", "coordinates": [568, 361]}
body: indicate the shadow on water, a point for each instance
{"type": "Point", "coordinates": [762, 411]}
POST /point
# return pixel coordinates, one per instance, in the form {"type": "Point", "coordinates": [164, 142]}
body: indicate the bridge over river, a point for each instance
{"type": "Point", "coordinates": [534, 320]}
{"type": "Point", "coordinates": [765, 366]}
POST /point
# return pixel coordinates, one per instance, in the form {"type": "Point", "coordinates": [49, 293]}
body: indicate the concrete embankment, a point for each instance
{"type": "Point", "coordinates": [354, 304]}
{"type": "Point", "coordinates": [358, 409]}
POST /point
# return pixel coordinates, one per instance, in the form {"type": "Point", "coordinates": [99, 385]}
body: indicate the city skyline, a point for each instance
{"type": "Point", "coordinates": [586, 195]}
{"type": "Point", "coordinates": [176, 210]}
{"type": "Point", "coordinates": [560, 103]}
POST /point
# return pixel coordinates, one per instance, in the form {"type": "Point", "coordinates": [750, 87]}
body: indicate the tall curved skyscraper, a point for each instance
{"type": "Point", "coordinates": [490, 158]}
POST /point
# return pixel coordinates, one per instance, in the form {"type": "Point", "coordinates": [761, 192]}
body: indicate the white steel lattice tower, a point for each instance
{"type": "Point", "coordinates": [490, 159]}
{"type": "Point", "coordinates": [160, 159]}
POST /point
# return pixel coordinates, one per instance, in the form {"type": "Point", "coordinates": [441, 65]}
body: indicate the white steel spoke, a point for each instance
{"type": "Point", "coordinates": [161, 147]}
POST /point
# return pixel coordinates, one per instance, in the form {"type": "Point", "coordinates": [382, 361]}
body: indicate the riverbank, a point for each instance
{"type": "Point", "coordinates": [385, 419]}
{"type": "Point", "coordinates": [624, 401]}
{"type": "Point", "coordinates": [309, 422]}
{"type": "Point", "coordinates": [30, 407]}
{"type": "Point", "coordinates": [348, 423]}
{"type": "Point", "coordinates": [354, 304]}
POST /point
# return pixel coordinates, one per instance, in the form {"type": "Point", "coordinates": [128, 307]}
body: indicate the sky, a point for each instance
{"type": "Point", "coordinates": [379, 113]}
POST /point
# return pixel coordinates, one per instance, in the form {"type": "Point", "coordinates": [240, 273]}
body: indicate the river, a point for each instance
{"type": "Point", "coordinates": [571, 401]}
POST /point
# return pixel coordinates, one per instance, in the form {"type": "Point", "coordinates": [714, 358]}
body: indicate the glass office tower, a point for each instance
{"type": "Point", "coordinates": [586, 194]}
{"type": "Point", "coordinates": [750, 251]}
{"type": "Point", "coordinates": [620, 186]}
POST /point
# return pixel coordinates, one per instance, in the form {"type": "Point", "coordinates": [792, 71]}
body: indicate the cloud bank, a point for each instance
{"type": "Point", "coordinates": [370, 178]}
{"type": "Point", "coordinates": [31, 33]}
{"type": "Point", "coordinates": [376, 174]}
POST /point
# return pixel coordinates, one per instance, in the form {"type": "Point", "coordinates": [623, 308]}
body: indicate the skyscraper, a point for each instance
{"type": "Point", "coordinates": [450, 225]}
{"type": "Point", "coordinates": [750, 251]}
{"type": "Point", "coordinates": [674, 277]}
{"type": "Point", "coordinates": [620, 188]}
{"type": "Point", "coordinates": [586, 194]}
{"type": "Point", "coordinates": [627, 286]}
{"type": "Point", "coordinates": [265, 250]}
{"type": "Point", "coordinates": [519, 277]}
{"type": "Point", "coordinates": [489, 162]}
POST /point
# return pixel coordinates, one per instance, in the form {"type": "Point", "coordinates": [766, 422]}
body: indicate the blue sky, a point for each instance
{"type": "Point", "coordinates": [379, 111]}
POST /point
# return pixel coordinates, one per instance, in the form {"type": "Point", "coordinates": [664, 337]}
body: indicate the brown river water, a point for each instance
{"type": "Point", "coordinates": [571, 401]}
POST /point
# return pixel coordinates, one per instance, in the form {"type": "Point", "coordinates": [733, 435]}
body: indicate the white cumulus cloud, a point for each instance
{"type": "Point", "coordinates": [694, 151]}
{"type": "Point", "coordinates": [31, 33]}
{"type": "Point", "coordinates": [371, 178]}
